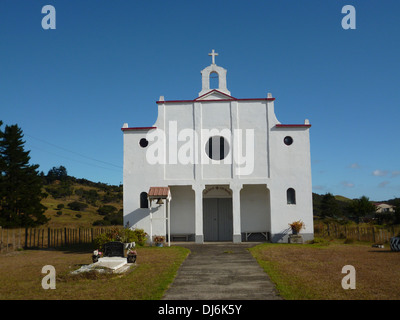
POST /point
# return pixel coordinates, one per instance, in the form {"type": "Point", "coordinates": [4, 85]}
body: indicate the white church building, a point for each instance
{"type": "Point", "coordinates": [218, 168]}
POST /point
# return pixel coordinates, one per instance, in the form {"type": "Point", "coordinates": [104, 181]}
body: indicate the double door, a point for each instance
{"type": "Point", "coordinates": [217, 219]}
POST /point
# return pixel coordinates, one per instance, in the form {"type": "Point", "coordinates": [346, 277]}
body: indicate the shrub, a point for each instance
{"type": "Point", "coordinates": [107, 209]}
{"type": "Point", "coordinates": [59, 213]}
{"type": "Point", "coordinates": [78, 215]}
{"type": "Point", "coordinates": [60, 206]}
{"type": "Point", "coordinates": [77, 206]}
{"type": "Point", "coordinates": [124, 235]}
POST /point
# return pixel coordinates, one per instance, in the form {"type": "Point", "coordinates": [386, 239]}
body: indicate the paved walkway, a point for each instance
{"type": "Point", "coordinates": [221, 271]}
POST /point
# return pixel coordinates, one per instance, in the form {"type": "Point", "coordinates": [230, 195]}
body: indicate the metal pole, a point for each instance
{"type": "Point", "coordinates": [169, 224]}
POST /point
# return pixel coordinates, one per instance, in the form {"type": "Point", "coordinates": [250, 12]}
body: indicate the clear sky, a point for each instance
{"type": "Point", "coordinates": [107, 62]}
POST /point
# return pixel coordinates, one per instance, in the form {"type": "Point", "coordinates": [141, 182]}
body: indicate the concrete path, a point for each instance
{"type": "Point", "coordinates": [221, 271]}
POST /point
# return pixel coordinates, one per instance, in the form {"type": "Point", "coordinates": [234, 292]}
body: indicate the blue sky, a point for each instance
{"type": "Point", "coordinates": [107, 62]}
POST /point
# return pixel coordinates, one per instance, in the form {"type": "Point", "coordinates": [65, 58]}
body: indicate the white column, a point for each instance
{"type": "Point", "coordinates": [198, 190]}
{"type": "Point", "coordinates": [237, 233]}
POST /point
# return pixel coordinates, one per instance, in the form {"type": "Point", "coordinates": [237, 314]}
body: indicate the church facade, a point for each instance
{"type": "Point", "coordinates": [218, 168]}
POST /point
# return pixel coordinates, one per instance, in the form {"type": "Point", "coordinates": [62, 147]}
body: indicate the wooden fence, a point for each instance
{"type": "Point", "coordinates": [29, 238]}
{"type": "Point", "coordinates": [359, 233]}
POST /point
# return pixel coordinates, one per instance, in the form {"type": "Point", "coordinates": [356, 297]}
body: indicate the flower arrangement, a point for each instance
{"type": "Point", "coordinates": [131, 255]}
{"type": "Point", "coordinates": [159, 239]}
{"type": "Point", "coordinates": [132, 252]}
{"type": "Point", "coordinates": [297, 226]}
{"type": "Point", "coordinates": [96, 255]}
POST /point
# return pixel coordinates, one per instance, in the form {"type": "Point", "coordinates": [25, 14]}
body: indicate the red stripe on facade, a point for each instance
{"type": "Point", "coordinates": [214, 100]}
{"type": "Point", "coordinates": [293, 125]}
{"type": "Point", "coordinates": [138, 128]}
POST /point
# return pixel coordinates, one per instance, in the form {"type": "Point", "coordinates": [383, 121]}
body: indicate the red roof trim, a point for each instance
{"type": "Point", "coordinates": [215, 100]}
{"type": "Point", "coordinates": [138, 128]}
{"type": "Point", "coordinates": [215, 90]}
{"type": "Point", "coordinates": [293, 125]}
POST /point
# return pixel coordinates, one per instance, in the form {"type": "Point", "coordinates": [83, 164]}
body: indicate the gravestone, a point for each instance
{"type": "Point", "coordinates": [114, 249]}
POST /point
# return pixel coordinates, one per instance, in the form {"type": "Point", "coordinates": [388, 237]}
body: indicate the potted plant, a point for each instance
{"type": "Point", "coordinates": [131, 256]}
{"type": "Point", "coordinates": [296, 226]}
{"type": "Point", "coordinates": [159, 240]}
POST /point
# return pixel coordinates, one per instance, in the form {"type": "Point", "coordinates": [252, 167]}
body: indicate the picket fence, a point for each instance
{"type": "Point", "coordinates": [36, 238]}
{"type": "Point", "coordinates": [358, 233]}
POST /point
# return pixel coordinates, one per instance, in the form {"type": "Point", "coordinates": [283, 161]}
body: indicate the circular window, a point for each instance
{"type": "Point", "coordinates": [217, 148]}
{"type": "Point", "coordinates": [143, 142]}
{"type": "Point", "coordinates": [288, 140]}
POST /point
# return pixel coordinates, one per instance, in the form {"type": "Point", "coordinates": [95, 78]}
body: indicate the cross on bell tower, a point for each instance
{"type": "Point", "coordinates": [205, 77]}
{"type": "Point", "coordinates": [213, 54]}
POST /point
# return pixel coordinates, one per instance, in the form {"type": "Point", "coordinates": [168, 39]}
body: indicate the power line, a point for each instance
{"type": "Point", "coordinates": [74, 152]}
{"type": "Point", "coordinates": [89, 164]}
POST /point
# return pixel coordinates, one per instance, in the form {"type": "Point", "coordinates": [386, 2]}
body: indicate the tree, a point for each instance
{"type": "Point", "coordinates": [77, 206]}
{"type": "Point", "coordinates": [361, 207]}
{"type": "Point", "coordinates": [396, 203]}
{"type": "Point", "coordinates": [329, 206]}
{"type": "Point", "coordinates": [57, 173]}
{"type": "Point", "coordinates": [20, 183]}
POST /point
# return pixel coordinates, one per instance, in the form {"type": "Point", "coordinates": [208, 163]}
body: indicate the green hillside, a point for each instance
{"type": "Point", "coordinates": [82, 203]}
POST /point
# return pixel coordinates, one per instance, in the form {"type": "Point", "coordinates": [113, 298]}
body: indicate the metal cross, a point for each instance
{"type": "Point", "coordinates": [213, 54]}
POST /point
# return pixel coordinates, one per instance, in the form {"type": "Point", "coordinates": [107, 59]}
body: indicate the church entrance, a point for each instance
{"type": "Point", "coordinates": [217, 219]}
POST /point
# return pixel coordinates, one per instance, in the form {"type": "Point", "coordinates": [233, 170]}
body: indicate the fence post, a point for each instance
{"type": "Point", "coordinates": [26, 238]}
{"type": "Point", "coordinates": [48, 237]}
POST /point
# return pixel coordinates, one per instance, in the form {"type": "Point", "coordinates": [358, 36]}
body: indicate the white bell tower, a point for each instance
{"type": "Point", "coordinates": [205, 77]}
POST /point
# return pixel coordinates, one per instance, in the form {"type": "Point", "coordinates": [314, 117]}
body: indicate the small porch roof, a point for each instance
{"type": "Point", "coordinates": [159, 192]}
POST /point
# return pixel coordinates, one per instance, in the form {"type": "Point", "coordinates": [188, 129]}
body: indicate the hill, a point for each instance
{"type": "Point", "coordinates": [75, 202]}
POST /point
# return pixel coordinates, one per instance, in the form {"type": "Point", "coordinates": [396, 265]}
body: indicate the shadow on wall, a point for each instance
{"type": "Point", "coordinates": [281, 237]}
{"type": "Point", "coordinates": [137, 215]}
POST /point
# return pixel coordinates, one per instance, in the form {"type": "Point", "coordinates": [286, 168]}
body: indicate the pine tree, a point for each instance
{"type": "Point", "coordinates": [20, 183]}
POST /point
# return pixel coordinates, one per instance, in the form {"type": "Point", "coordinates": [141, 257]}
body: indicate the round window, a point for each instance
{"type": "Point", "coordinates": [217, 148]}
{"type": "Point", "coordinates": [288, 140]}
{"type": "Point", "coordinates": [143, 142]}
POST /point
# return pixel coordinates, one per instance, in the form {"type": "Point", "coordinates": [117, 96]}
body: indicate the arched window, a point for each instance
{"type": "Point", "coordinates": [214, 80]}
{"type": "Point", "coordinates": [144, 202]}
{"type": "Point", "coordinates": [291, 196]}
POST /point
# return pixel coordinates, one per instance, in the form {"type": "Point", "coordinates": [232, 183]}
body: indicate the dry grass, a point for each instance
{"type": "Point", "coordinates": [21, 277]}
{"type": "Point", "coordinates": [314, 271]}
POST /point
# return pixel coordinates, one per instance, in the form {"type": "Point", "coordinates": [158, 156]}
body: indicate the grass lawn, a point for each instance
{"type": "Point", "coordinates": [21, 277]}
{"type": "Point", "coordinates": [314, 271]}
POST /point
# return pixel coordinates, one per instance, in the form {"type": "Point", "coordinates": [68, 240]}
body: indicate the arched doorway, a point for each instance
{"type": "Point", "coordinates": [217, 214]}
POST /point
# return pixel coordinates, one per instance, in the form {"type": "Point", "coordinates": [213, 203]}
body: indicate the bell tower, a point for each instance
{"type": "Point", "coordinates": [205, 77]}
